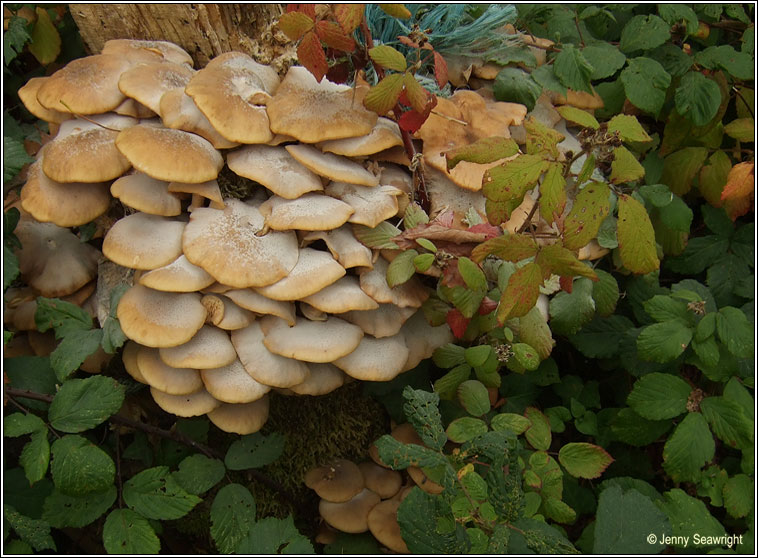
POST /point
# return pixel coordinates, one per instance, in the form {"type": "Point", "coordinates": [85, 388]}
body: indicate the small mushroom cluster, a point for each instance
{"type": "Point", "coordinates": [232, 297]}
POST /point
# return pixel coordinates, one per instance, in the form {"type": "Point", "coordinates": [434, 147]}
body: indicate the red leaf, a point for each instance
{"type": "Point", "coordinates": [339, 73]}
{"type": "Point", "coordinates": [312, 56]}
{"type": "Point", "coordinates": [411, 121]}
{"type": "Point", "coordinates": [488, 230]}
{"type": "Point", "coordinates": [487, 306]}
{"type": "Point", "coordinates": [333, 36]}
{"type": "Point", "coordinates": [457, 322]}
{"type": "Point", "coordinates": [307, 9]}
{"type": "Point", "coordinates": [440, 70]}
{"type": "Point", "coordinates": [295, 24]}
{"type": "Point", "coordinates": [566, 283]}
{"type": "Point", "coordinates": [349, 16]}
{"type": "Point", "coordinates": [403, 99]}
{"type": "Point", "coordinates": [407, 41]}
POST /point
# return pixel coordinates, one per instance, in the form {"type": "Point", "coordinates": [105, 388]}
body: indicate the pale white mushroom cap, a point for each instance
{"type": "Point", "coordinates": [333, 167]}
{"type": "Point", "coordinates": [371, 205]}
{"type": "Point", "coordinates": [375, 360]}
{"type": "Point", "coordinates": [324, 378]}
{"type": "Point", "coordinates": [144, 241]}
{"type": "Point", "coordinates": [314, 271]}
{"type": "Point", "coordinates": [241, 418]}
{"type": "Point", "coordinates": [385, 321]}
{"type": "Point", "coordinates": [274, 168]}
{"type": "Point", "coordinates": [374, 283]}
{"type": "Point", "coordinates": [192, 405]}
{"type": "Point", "coordinates": [210, 347]}
{"type": "Point", "coordinates": [146, 194]}
{"type": "Point", "coordinates": [309, 212]}
{"type": "Point", "coordinates": [259, 304]}
{"type": "Point", "coordinates": [310, 341]}
{"type": "Point", "coordinates": [423, 338]}
{"type": "Point", "coordinates": [266, 367]}
{"type": "Point", "coordinates": [161, 376]}
{"type": "Point", "coordinates": [232, 384]}
{"type": "Point", "coordinates": [343, 295]}
{"type": "Point", "coordinates": [343, 245]}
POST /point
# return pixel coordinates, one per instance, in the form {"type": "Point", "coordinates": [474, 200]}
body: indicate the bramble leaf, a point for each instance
{"type": "Point", "coordinates": [584, 461]}
{"type": "Point", "coordinates": [625, 167]}
{"type": "Point", "coordinates": [658, 396]}
{"type": "Point", "coordinates": [46, 42]}
{"type": "Point", "coordinates": [742, 129]}
{"type": "Point", "coordinates": [590, 207]}
{"type": "Point", "coordinates": [254, 450]}
{"type": "Point", "coordinates": [83, 404]}
{"type": "Point", "coordinates": [516, 86]}
{"type": "Point", "coordinates": [604, 58]}
{"type": "Point", "coordinates": [553, 193]}
{"type": "Point", "coordinates": [421, 409]}
{"type": "Point", "coordinates": [482, 151]}
{"type": "Point", "coordinates": [636, 237]}
{"type": "Point", "coordinates": [384, 95]}
{"type": "Point", "coordinates": [465, 428]}
{"type": "Point", "coordinates": [555, 259]}
{"type": "Point", "coordinates": [511, 179]}
{"type": "Point", "coordinates": [629, 128]}
{"type": "Point", "coordinates": [272, 535]}
{"type": "Point", "coordinates": [738, 492]}
{"type": "Point", "coordinates": [295, 24]}
{"type": "Point", "coordinates": [417, 95]}
{"type": "Point", "coordinates": [728, 421]}
{"type": "Point", "coordinates": [395, 10]}
{"type": "Point", "coordinates": [578, 116]}
{"type": "Point", "coordinates": [333, 36]}
{"type": "Point", "coordinates": [32, 531]}
{"type": "Point", "coordinates": [311, 55]}
{"type": "Point", "coordinates": [624, 519]}
{"type": "Point", "coordinates": [697, 98]}
{"type": "Point", "coordinates": [402, 268]}
{"type": "Point", "coordinates": [663, 342]}
{"type": "Point", "coordinates": [572, 69]}
{"type": "Point", "coordinates": [14, 158]}
{"type": "Point", "coordinates": [538, 434]}
{"type": "Point", "coordinates": [421, 516]}
{"type": "Point", "coordinates": [739, 190]}
{"type": "Point", "coordinates": [79, 466]}
{"type": "Point", "coordinates": [511, 248]}
{"type": "Point", "coordinates": [349, 16]}
{"type": "Point", "coordinates": [645, 83]}
{"type": "Point", "coordinates": [63, 510]}
{"type": "Point", "coordinates": [688, 448]}
{"type": "Point", "coordinates": [388, 57]}
{"type": "Point", "coordinates": [198, 473]}
{"type": "Point", "coordinates": [521, 293]}
{"type": "Point", "coordinates": [643, 33]}
{"type": "Point", "coordinates": [154, 494]}
{"type": "Point", "coordinates": [127, 532]}
{"type": "Point", "coordinates": [474, 397]}
{"type": "Point", "coordinates": [232, 515]}
{"type": "Point", "coordinates": [379, 237]}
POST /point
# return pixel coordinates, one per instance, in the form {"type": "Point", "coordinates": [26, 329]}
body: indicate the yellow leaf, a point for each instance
{"type": "Point", "coordinates": [625, 167]}
{"type": "Point", "coordinates": [739, 190]}
{"type": "Point", "coordinates": [636, 237]}
{"type": "Point", "coordinates": [46, 42]}
{"type": "Point", "coordinates": [383, 96]}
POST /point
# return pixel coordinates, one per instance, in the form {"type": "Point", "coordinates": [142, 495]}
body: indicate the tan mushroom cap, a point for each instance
{"type": "Point", "coordinates": [28, 96]}
{"type": "Point", "coordinates": [336, 481]}
{"type": "Point", "coordinates": [274, 168]}
{"type": "Point", "coordinates": [311, 313]}
{"type": "Point", "coordinates": [210, 347]}
{"type": "Point", "coordinates": [159, 319]}
{"type": "Point", "coordinates": [231, 92]}
{"type": "Point", "coordinates": [192, 405]}
{"type": "Point", "coordinates": [131, 107]}
{"type": "Point", "coordinates": [423, 338]}
{"type": "Point", "coordinates": [170, 155]}
{"type": "Point", "coordinates": [350, 516]}
{"type": "Point", "coordinates": [136, 50]}
{"type": "Point", "coordinates": [445, 195]}
{"type": "Point", "coordinates": [259, 304]}
{"type": "Point", "coordinates": [384, 135]}
{"type": "Point", "coordinates": [146, 194]}
{"type": "Point", "coordinates": [129, 358]}
{"type": "Point", "coordinates": [85, 151]}
{"type": "Point", "coordinates": [148, 82]}
{"type": "Point", "coordinates": [382, 522]}
{"type": "Point", "coordinates": [85, 86]}
{"type": "Point", "coordinates": [180, 276]}
{"type": "Point", "coordinates": [374, 283]}
{"type": "Point", "coordinates": [578, 99]}
{"type": "Point", "coordinates": [232, 384]}
{"type": "Point", "coordinates": [310, 341]}
{"type": "Point", "coordinates": [344, 247]}
{"type": "Point", "coordinates": [385, 482]}
{"type": "Point", "coordinates": [333, 167]}
{"type": "Point", "coordinates": [324, 378]}
{"type": "Point", "coordinates": [313, 112]}
{"type": "Point", "coordinates": [53, 260]}
{"type": "Point", "coordinates": [384, 321]}
{"type": "Point", "coordinates": [343, 295]}
{"type": "Point", "coordinates": [375, 360]}
{"type": "Point", "coordinates": [371, 205]}
{"type": "Point", "coordinates": [144, 241]}
{"type": "Point", "coordinates": [161, 376]}
{"type": "Point", "coordinates": [314, 271]}
{"type": "Point", "coordinates": [310, 212]}
{"type": "Point", "coordinates": [66, 205]}
{"type": "Point", "coordinates": [209, 190]}
{"type": "Point", "coordinates": [225, 244]}
{"type": "Point", "coordinates": [179, 111]}
{"type": "Point", "coordinates": [264, 366]}
{"type": "Point", "coordinates": [241, 418]}
{"type": "Point", "coordinates": [224, 313]}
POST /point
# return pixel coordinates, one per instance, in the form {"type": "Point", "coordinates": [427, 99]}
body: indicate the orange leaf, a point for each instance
{"type": "Point", "coordinates": [334, 37]}
{"type": "Point", "coordinates": [440, 70]}
{"type": "Point", "coordinates": [307, 9]}
{"type": "Point", "coordinates": [295, 24]}
{"type": "Point", "coordinates": [407, 41]}
{"type": "Point", "coordinates": [410, 121]}
{"type": "Point", "coordinates": [349, 16]}
{"type": "Point", "coordinates": [383, 96]}
{"type": "Point", "coordinates": [312, 56]}
{"type": "Point", "coordinates": [417, 95]}
{"type": "Point", "coordinates": [738, 193]}
{"type": "Point", "coordinates": [521, 293]}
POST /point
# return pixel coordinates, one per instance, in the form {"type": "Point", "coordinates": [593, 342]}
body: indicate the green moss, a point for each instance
{"type": "Point", "coordinates": [234, 186]}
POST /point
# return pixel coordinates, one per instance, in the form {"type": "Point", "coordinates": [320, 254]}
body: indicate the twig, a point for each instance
{"type": "Point", "coordinates": [25, 410]}
{"type": "Point", "coordinates": [747, 106]}
{"type": "Point", "coordinates": [528, 221]}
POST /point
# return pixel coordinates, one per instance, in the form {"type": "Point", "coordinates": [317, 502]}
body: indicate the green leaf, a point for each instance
{"type": "Point", "coordinates": [465, 428]}
{"type": "Point", "coordinates": [541, 139]}
{"type": "Point", "coordinates": [64, 317]}
{"type": "Point", "coordinates": [526, 356]}
{"type": "Point", "coordinates": [198, 473]}
{"type": "Point", "coordinates": [538, 434]}
{"type": "Point", "coordinates": [663, 342]}
{"type": "Point", "coordinates": [127, 532]}
{"type": "Point", "coordinates": [540, 538]}
{"type": "Point", "coordinates": [643, 33]}
{"type": "Point", "coordinates": [485, 150]}
{"type": "Point", "coordinates": [604, 58]}
{"type": "Point", "coordinates": [64, 510]}
{"type": "Point", "coordinates": [474, 397]}
{"type": "Point", "coordinates": [14, 39]}
{"type": "Point", "coordinates": [578, 116]}
{"type": "Point", "coordinates": [554, 259]}
{"type": "Point", "coordinates": [155, 494]}
{"type": "Point", "coordinates": [700, 253]}
{"type": "Point", "coordinates": [254, 450]}
{"type": "Point", "coordinates": [33, 374]}
{"type": "Point", "coordinates": [447, 385]}
{"type": "Point", "coordinates": [552, 193]}
{"type": "Point", "coordinates": [545, 76]}
{"type": "Point", "coordinates": [388, 57]}
{"type": "Point", "coordinates": [681, 167]}
{"type": "Point", "coordinates": [624, 522]}
{"type": "Point", "coordinates": [401, 269]}
{"type": "Point", "coordinates": [558, 510]}
{"type": "Point", "coordinates": [419, 518]}
{"type": "Point", "coordinates": [514, 85]}
{"type": "Point", "coordinates": [398, 455]}
{"type": "Point", "coordinates": [663, 308]}
{"type": "Point", "coordinates": [15, 546]}
{"type": "Point", "coordinates": [32, 531]}
{"type": "Point", "coordinates": [636, 237]}
{"type": "Point", "coordinates": [689, 448]}
{"type": "Point", "coordinates": [724, 57]}
{"type": "Point", "coordinates": [272, 535]}
{"type": "Point", "coordinates": [477, 356]}
{"type": "Point", "coordinates": [534, 332]}
{"type": "Point", "coordinates": [295, 24]}
{"type": "Point", "coordinates": [735, 332]}
{"type": "Point", "coordinates": [632, 429]}
{"type": "Point", "coordinates": [46, 42]}
{"type": "Point", "coordinates": [679, 13]}
{"type": "Point", "coordinates": [509, 247]}
{"type": "Point", "coordinates": [625, 167]}
{"type": "Point", "coordinates": [673, 59]}
{"type": "Point", "coordinates": [645, 84]}
{"type": "Point", "coordinates": [570, 311]}
{"type": "Point", "coordinates": [472, 274]}
{"type": "Point", "coordinates": [380, 237]}
{"type": "Point", "coordinates": [18, 424]}
{"type": "Point", "coordinates": [113, 335]}
{"type": "Point", "coordinates": [510, 180]}
{"type": "Point", "coordinates": [676, 215]}
{"type": "Point", "coordinates": [572, 69]}
{"type": "Point", "coordinates": [688, 516]}
{"type": "Point", "coordinates": [73, 350]}
{"type": "Point", "coordinates": [420, 408]}
{"type": "Point", "coordinates": [35, 456]}
{"type": "Point", "coordinates": [742, 129]}
{"type": "Point", "coordinates": [510, 422]}
{"type": "Point", "coordinates": [584, 461]}
{"type": "Point", "coordinates": [697, 98]}
{"type": "Point", "coordinates": [449, 355]}
{"type": "Point", "coordinates": [659, 396]}
{"type": "Point", "coordinates": [384, 95]}
{"type": "Point", "coordinates": [738, 492]}
{"type": "Point", "coordinates": [521, 293]}
{"type": "Point", "coordinates": [348, 543]}
{"type": "Point", "coordinates": [629, 128]}
{"type": "Point", "coordinates": [728, 421]}
{"type": "Point", "coordinates": [583, 221]}
{"type": "Point", "coordinates": [14, 157]}
{"type": "Point", "coordinates": [83, 404]}
{"type": "Point", "coordinates": [735, 391]}
{"type": "Point", "coordinates": [601, 337]}
{"type": "Point", "coordinates": [605, 292]}
{"type": "Point", "coordinates": [232, 515]}
{"type": "Point", "coordinates": [422, 262]}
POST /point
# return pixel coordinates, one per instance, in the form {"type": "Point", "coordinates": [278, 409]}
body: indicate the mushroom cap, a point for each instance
{"type": "Point", "coordinates": [130, 107]}
{"type": "Point", "coordinates": [224, 243]}
{"type": "Point", "coordinates": [241, 418]}
{"type": "Point", "coordinates": [384, 135]}
{"type": "Point", "coordinates": [309, 212]}
{"type": "Point", "coordinates": [144, 241]}
{"type": "Point", "coordinates": [313, 112]}
{"type": "Point", "coordinates": [180, 276]}
{"type": "Point", "coordinates": [170, 155]}
{"type": "Point", "coordinates": [445, 195]}
{"type": "Point", "coordinates": [179, 111]}
{"type": "Point", "coordinates": [310, 341]}
{"type": "Point", "coordinates": [375, 360]}
{"type": "Point", "coordinates": [28, 96]}
{"type": "Point", "coordinates": [136, 50]}
{"type": "Point", "coordinates": [336, 481]}
{"type": "Point", "coordinates": [371, 205]}
{"type": "Point", "coordinates": [259, 304]}
{"type": "Point", "coordinates": [191, 405]}
{"type": "Point", "coordinates": [230, 92]}
{"type": "Point", "coordinates": [404, 433]}
{"type": "Point", "coordinates": [384, 321]}
{"type": "Point", "coordinates": [374, 283]}
{"type": "Point", "coordinates": [232, 384]}
{"type": "Point", "coordinates": [334, 167]}
{"type": "Point", "coordinates": [324, 378]}
{"type": "Point", "coordinates": [66, 205]}
{"type": "Point", "coordinates": [170, 380]}
{"type": "Point", "coordinates": [343, 245]}
{"type": "Point", "coordinates": [385, 482]}
{"type": "Point", "coordinates": [53, 260]}
{"type": "Point", "coordinates": [314, 271]}
{"type": "Point", "coordinates": [350, 516]}
{"type": "Point", "coordinates": [209, 190]}
{"type": "Point", "coordinates": [263, 365]}
{"type": "Point", "coordinates": [158, 319]}
{"type": "Point", "coordinates": [210, 347]}
{"type": "Point", "coordinates": [424, 338]}
{"type": "Point", "coordinates": [85, 151]}
{"type": "Point", "coordinates": [311, 313]}
{"type": "Point", "coordinates": [224, 313]}
{"type": "Point", "coordinates": [147, 194]}
{"type": "Point", "coordinates": [382, 522]}
{"type": "Point", "coordinates": [85, 86]}
{"type": "Point", "coordinates": [129, 358]}
{"type": "Point", "coordinates": [148, 82]}
{"type": "Point", "coordinates": [343, 295]}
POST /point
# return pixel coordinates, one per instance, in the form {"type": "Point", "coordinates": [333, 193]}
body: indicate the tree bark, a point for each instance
{"type": "Point", "coordinates": [203, 30]}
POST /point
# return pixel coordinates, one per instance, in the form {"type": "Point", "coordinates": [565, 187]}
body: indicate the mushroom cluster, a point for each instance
{"type": "Point", "coordinates": [241, 193]}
